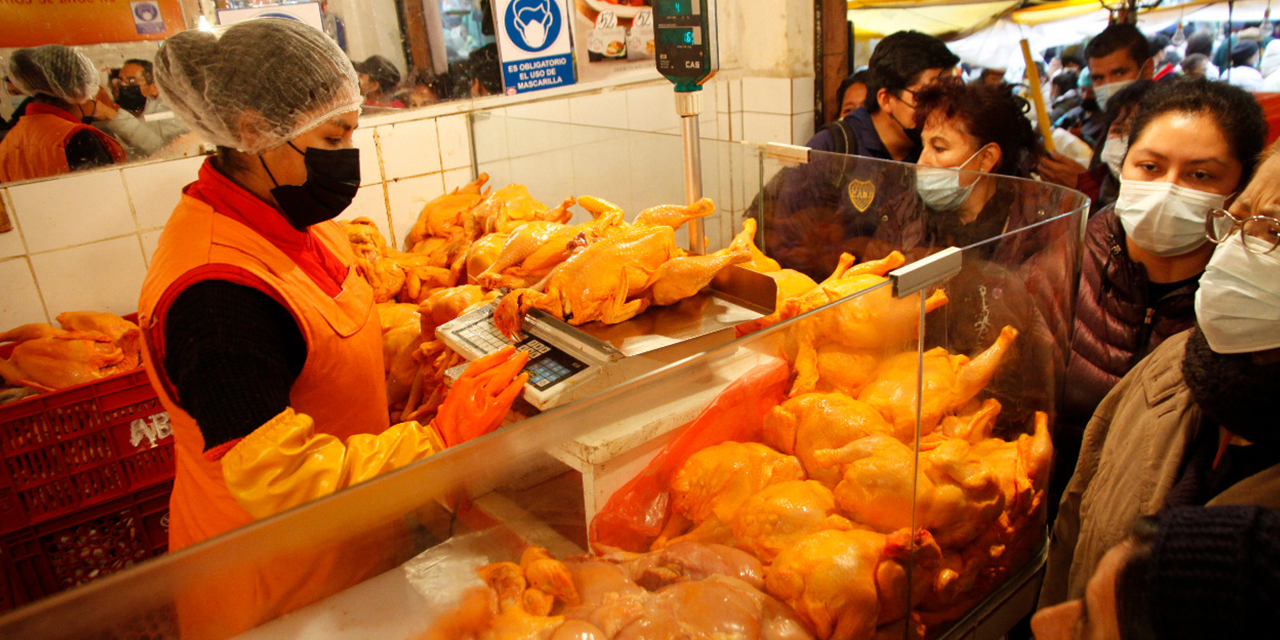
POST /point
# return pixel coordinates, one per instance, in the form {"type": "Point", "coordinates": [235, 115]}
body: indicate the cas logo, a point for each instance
{"type": "Point", "coordinates": [861, 193]}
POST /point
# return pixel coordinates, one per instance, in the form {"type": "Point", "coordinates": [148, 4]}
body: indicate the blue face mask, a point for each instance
{"type": "Point", "coordinates": [939, 187]}
{"type": "Point", "coordinates": [1104, 92]}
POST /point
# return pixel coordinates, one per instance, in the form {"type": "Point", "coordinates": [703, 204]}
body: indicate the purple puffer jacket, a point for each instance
{"type": "Point", "coordinates": [1115, 326]}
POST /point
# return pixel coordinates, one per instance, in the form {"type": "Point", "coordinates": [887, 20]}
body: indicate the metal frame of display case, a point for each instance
{"type": "Point", "coordinates": [427, 496]}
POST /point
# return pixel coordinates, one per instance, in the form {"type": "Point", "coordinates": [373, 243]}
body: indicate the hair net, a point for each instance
{"type": "Point", "coordinates": [54, 70]}
{"type": "Point", "coordinates": [256, 84]}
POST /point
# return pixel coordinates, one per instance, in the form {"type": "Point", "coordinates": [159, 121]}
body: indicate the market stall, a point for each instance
{"type": "Point", "coordinates": [908, 396]}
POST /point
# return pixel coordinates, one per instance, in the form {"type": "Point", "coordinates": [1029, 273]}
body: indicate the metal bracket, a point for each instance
{"type": "Point", "coordinates": [787, 154]}
{"type": "Point", "coordinates": [922, 273]}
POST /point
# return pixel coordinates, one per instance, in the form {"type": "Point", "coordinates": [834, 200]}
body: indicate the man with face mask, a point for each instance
{"type": "Point", "coordinates": [884, 126]}
{"type": "Point", "coordinates": [262, 337]}
{"type": "Point", "coordinates": [153, 125]}
{"type": "Point", "coordinates": [1117, 57]}
{"type": "Point", "coordinates": [1193, 423]}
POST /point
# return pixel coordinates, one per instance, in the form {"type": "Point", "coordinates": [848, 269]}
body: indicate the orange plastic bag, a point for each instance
{"type": "Point", "coordinates": [636, 513]}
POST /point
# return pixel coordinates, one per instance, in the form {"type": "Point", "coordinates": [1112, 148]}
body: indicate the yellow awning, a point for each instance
{"type": "Point", "coordinates": [873, 19]}
{"type": "Point", "coordinates": [1054, 11]}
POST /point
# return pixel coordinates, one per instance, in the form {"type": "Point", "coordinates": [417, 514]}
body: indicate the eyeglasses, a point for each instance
{"type": "Point", "coordinates": [913, 97]}
{"type": "Point", "coordinates": [132, 81]}
{"type": "Point", "coordinates": [1260, 234]}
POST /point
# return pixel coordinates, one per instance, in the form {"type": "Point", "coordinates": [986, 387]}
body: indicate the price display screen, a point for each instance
{"type": "Point", "coordinates": [676, 7]}
{"type": "Point", "coordinates": [679, 36]}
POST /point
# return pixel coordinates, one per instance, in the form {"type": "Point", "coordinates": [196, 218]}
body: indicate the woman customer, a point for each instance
{"type": "Point", "coordinates": [262, 338]}
{"type": "Point", "coordinates": [1192, 145]}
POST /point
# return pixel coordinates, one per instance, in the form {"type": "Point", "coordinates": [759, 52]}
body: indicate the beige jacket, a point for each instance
{"type": "Point", "coordinates": [1125, 473]}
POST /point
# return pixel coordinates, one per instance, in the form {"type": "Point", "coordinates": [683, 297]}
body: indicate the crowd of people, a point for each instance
{"type": "Point", "coordinates": [1167, 453]}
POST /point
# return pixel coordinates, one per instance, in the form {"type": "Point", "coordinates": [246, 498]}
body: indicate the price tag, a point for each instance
{"type": "Point", "coordinates": [606, 20]}
{"type": "Point", "coordinates": [643, 19]}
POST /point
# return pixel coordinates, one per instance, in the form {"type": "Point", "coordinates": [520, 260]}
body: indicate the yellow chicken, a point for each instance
{"type": "Point", "coordinates": [778, 516]}
{"type": "Point", "coordinates": [443, 216]}
{"type": "Point", "coordinates": [813, 422]}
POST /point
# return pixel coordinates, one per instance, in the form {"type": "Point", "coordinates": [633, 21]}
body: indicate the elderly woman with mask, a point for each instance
{"type": "Point", "coordinates": [262, 339]}
{"type": "Point", "coordinates": [52, 136]}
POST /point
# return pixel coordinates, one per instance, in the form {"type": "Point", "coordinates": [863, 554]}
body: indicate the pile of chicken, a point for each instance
{"type": "Point", "coordinates": [686, 590]}
{"type": "Point", "coordinates": [87, 345]}
{"type": "Point", "coordinates": [825, 503]}
{"type": "Point", "coordinates": [469, 244]}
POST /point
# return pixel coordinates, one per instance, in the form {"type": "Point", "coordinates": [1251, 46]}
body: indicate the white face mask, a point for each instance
{"type": "Point", "coordinates": [1112, 155]}
{"type": "Point", "coordinates": [1163, 218]}
{"type": "Point", "coordinates": [1104, 92]}
{"type": "Point", "coordinates": [1238, 302]}
{"type": "Point", "coordinates": [940, 188]}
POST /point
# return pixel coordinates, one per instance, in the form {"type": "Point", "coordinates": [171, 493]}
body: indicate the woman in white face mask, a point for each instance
{"type": "Point", "coordinates": [1192, 144]}
{"type": "Point", "coordinates": [969, 131]}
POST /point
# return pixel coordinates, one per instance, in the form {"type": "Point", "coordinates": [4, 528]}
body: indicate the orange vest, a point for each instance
{"type": "Point", "coordinates": [37, 146]}
{"type": "Point", "coordinates": [342, 386]}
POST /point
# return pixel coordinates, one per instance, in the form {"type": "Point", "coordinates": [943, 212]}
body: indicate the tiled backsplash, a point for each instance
{"type": "Point", "coordinates": [83, 241]}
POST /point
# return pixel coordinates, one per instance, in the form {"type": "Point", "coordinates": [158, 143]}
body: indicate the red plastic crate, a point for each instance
{"type": "Point", "coordinates": [98, 541]}
{"type": "Point", "coordinates": [78, 447]}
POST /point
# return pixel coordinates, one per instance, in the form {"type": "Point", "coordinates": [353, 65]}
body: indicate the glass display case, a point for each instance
{"type": "Point", "coordinates": [871, 456]}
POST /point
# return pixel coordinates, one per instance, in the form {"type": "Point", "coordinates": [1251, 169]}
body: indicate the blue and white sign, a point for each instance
{"type": "Point", "coordinates": [308, 12]}
{"type": "Point", "coordinates": [534, 44]}
{"type": "Point", "coordinates": [146, 16]}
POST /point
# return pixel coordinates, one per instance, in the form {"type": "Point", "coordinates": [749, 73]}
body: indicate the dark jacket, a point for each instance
{"type": "Point", "coordinates": [866, 141]}
{"type": "Point", "coordinates": [1115, 326]}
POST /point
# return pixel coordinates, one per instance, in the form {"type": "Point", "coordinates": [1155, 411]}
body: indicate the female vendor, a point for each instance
{"type": "Point", "coordinates": [262, 339]}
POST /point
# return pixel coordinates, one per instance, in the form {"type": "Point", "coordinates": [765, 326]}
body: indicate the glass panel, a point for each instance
{"type": "Point", "coordinates": [930, 483]}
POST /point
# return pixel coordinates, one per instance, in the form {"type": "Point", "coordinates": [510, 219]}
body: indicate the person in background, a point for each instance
{"type": "Point", "coordinates": [1195, 67]}
{"type": "Point", "coordinates": [991, 77]}
{"type": "Point", "coordinates": [379, 81]}
{"type": "Point", "coordinates": [1086, 120]}
{"type": "Point", "coordinates": [1073, 59]}
{"type": "Point", "coordinates": [251, 263]}
{"type": "Point", "coordinates": [484, 73]}
{"type": "Point", "coordinates": [153, 125]}
{"type": "Point", "coordinates": [1201, 42]}
{"type": "Point", "coordinates": [1244, 66]}
{"type": "Point", "coordinates": [52, 137]}
{"type": "Point", "coordinates": [852, 92]}
{"type": "Point", "coordinates": [884, 127]}
{"type": "Point", "coordinates": [1063, 94]}
{"type": "Point", "coordinates": [1187, 573]}
{"type": "Point", "coordinates": [1117, 57]}
{"type": "Point", "coordinates": [1161, 65]}
{"type": "Point", "coordinates": [1192, 423]}
{"type": "Point", "coordinates": [427, 88]}
{"type": "Point", "coordinates": [1270, 67]}
{"type": "Point", "coordinates": [1102, 181]}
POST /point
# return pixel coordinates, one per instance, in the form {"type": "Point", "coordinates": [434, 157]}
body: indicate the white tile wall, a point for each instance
{"type": "Point", "coordinates": [370, 168]}
{"type": "Point", "coordinates": [735, 95]}
{"type": "Point", "coordinates": [21, 302]}
{"type": "Point", "coordinates": [723, 132]}
{"type": "Point", "coordinates": [407, 198]}
{"type": "Point", "coordinates": [554, 110]}
{"type": "Point", "coordinates": [10, 243]}
{"type": "Point", "coordinates": [455, 178]}
{"type": "Point", "coordinates": [73, 210]}
{"type": "Point", "coordinates": [102, 276]}
{"type": "Point", "coordinates": [802, 128]}
{"type": "Point", "coordinates": [767, 95]}
{"type": "Point", "coordinates": [735, 126]}
{"type": "Point", "coordinates": [766, 127]}
{"type": "Point", "coordinates": [600, 110]}
{"type": "Point", "coordinates": [152, 189]}
{"type": "Point", "coordinates": [409, 149]}
{"type": "Point", "coordinates": [150, 240]}
{"type": "Point", "coordinates": [455, 142]}
{"type": "Point", "coordinates": [370, 202]}
{"type": "Point", "coordinates": [801, 95]}
{"type": "Point", "coordinates": [654, 109]}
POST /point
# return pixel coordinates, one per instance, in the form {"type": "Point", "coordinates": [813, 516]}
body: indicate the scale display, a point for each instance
{"type": "Point", "coordinates": [685, 41]}
{"type": "Point", "coordinates": [476, 336]}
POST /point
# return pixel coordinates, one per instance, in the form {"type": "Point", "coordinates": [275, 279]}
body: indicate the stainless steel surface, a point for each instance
{"type": "Point", "coordinates": [693, 180]}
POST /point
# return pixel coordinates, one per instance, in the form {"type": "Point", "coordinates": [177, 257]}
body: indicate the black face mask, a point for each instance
{"type": "Point", "coordinates": [1231, 390]}
{"type": "Point", "coordinates": [130, 98]}
{"type": "Point", "coordinates": [333, 178]}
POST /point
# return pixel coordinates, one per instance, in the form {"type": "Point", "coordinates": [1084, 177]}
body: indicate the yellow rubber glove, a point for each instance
{"type": "Point", "coordinates": [285, 463]}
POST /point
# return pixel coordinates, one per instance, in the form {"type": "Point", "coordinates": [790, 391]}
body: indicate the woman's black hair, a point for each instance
{"type": "Point", "coordinates": [988, 113]}
{"type": "Point", "coordinates": [1133, 590]}
{"type": "Point", "coordinates": [1236, 112]}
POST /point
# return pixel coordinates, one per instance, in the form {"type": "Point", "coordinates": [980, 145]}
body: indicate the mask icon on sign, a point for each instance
{"type": "Point", "coordinates": [533, 23]}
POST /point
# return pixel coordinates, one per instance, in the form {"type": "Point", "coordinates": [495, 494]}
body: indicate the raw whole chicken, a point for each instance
{"type": "Point", "coordinates": [778, 516]}
{"type": "Point", "coordinates": [89, 346]}
{"type": "Point", "coordinates": [620, 275]}
{"type": "Point", "coordinates": [829, 579]}
{"type": "Point", "coordinates": [443, 216]}
{"type": "Point", "coordinates": [809, 423]}
{"type": "Point", "coordinates": [508, 208]}
{"type": "Point", "coordinates": [950, 382]}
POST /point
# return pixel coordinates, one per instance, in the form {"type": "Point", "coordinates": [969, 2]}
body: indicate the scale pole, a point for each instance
{"type": "Point", "coordinates": [689, 105]}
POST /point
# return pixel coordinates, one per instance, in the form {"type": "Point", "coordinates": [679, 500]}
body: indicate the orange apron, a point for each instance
{"type": "Point", "coordinates": [37, 146]}
{"type": "Point", "coordinates": [341, 386]}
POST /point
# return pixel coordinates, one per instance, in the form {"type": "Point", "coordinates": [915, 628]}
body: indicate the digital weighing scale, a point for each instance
{"type": "Point", "coordinates": [567, 362]}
